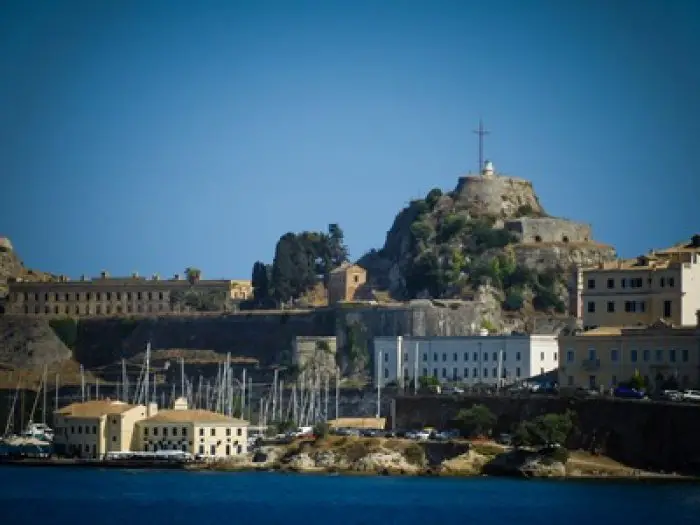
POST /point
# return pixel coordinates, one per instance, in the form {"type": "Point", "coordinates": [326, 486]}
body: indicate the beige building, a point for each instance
{"type": "Point", "coordinates": [662, 284]}
{"type": "Point", "coordinates": [603, 357]}
{"type": "Point", "coordinates": [106, 296]}
{"type": "Point", "coordinates": [200, 432]}
{"type": "Point", "coordinates": [344, 282]}
{"type": "Point", "coordinates": [93, 428]}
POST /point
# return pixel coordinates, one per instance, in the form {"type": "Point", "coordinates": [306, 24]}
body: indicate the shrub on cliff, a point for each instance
{"type": "Point", "coordinates": [475, 421]}
{"type": "Point", "coordinates": [544, 430]}
{"type": "Point", "coordinates": [415, 454]}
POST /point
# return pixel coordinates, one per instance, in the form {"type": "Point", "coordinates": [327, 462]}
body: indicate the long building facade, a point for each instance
{"type": "Point", "coordinates": [665, 356]}
{"type": "Point", "coordinates": [469, 360]}
{"type": "Point", "coordinates": [106, 296]}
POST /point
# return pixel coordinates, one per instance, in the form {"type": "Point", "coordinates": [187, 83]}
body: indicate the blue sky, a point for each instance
{"type": "Point", "coordinates": [153, 135]}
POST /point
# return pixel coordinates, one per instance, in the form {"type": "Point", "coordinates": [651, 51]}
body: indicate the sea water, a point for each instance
{"type": "Point", "coordinates": [57, 496]}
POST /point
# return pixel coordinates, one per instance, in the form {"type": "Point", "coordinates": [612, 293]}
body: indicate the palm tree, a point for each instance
{"type": "Point", "coordinates": [193, 274]}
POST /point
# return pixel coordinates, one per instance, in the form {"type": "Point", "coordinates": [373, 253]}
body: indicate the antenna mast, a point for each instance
{"type": "Point", "coordinates": [481, 132]}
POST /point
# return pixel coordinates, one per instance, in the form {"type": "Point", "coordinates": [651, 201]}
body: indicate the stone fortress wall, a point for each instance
{"type": "Point", "coordinates": [497, 195]}
{"type": "Point", "coordinates": [548, 229]}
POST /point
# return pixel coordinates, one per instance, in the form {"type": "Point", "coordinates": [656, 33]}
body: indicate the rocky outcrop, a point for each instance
{"type": "Point", "coordinates": [28, 342]}
{"type": "Point", "coordinates": [526, 464]}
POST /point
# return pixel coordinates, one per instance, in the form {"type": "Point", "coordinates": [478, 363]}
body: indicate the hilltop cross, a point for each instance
{"type": "Point", "coordinates": [481, 132]}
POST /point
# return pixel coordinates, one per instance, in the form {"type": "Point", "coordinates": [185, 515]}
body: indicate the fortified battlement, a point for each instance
{"type": "Point", "coordinates": [497, 195]}
{"type": "Point", "coordinates": [548, 229]}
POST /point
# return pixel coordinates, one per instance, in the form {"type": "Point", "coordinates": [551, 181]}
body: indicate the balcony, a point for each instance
{"type": "Point", "coordinates": [591, 365]}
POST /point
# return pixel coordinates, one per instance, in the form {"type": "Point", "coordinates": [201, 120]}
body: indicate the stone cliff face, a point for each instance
{"type": "Point", "coordinates": [27, 342]}
{"type": "Point", "coordinates": [645, 435]}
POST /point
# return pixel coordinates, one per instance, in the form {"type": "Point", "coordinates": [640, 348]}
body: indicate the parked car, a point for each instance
{"type": "Point", "coordinates": [452, 390]}
{"type": "Point", "coordinates": [691, 395]}
{"type": "Point", "coordinates": [629, 393]}
{"type": "Point", "coordinates": [672, 395]}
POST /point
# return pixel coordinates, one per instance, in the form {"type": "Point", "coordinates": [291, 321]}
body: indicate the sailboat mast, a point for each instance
{"type": "Point", "coordinates": [82, 384]}
{"type": "Point", "coordinates": [56, 402]}
{"type": "Point", "coordinates": [43, 408]}
{"type": "Point", "coordinates": [182, 376]}
{"type": "Point", "coordinates": [146, 375]}
{"type": "Point", "coordinates": [244, 385]}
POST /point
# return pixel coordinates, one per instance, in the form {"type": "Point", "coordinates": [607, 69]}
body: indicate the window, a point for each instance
{"type": "Point", "coordinates": [517, 372]}
{"type": "Point", "coordinates": [541, 356]}
{"type": "Point", "coordinates": [386, 357]}
{"type": "Point", "coordinates": [165, 431]}
{"type": "Point", "coordinates": [475, 372]}
{"type": "Point", "coordinates": [239, 432]}
{"type": "Point", "coordinates": [454, 356]}
{"type": "Point", "coordinates": [672, 355]}
{"type": "Point", "coordinates": [486, 372]}
{"type": "Point", "coordinates": [184, 431]}
{"type": "Point", "coordinates": [145, 431]}
{"type": "Point", "coordinates": [494, 373]}
{"type": "Point", "coordinates": [386, 373]}
{"type": "Point", "coordinates": [613, 355]}
{"type": "Point", "coordinates": [662, 282]}
{"type": "Point", "coordinates": [591, 307]}
{"type": "Point", "coordinates": [592, 382]}
{"type": "Point", "coordinates": [228, 450]}
{"type": "Point", "coordinates": [659, 355]}
{"type": "Point", "coordinates": [425, 356]}
{"type": "Point", "coordinates": [671, 282]}
{"type": "Point", "coordinates": [591, 354]}
{"type": "Point", "coordinates": [435, 356]}
{"type": "Point", "coordinates": [633, 356]}
{"type": "Point", "coordinates": [444, 357]}
{"type": "Point", "coordinates": [623, 283]}
{"type": "Point", "coordinates": [425, 372]}
{"type": "Point", "coordinates": [495, 356]}
{"type": "Point", "coordinates": [611, 283]}
{"type": "Point", "coordinates": [444, 373]}
{"type": "Point", "coordinates": [569, 356]}
{"type": "Point", "coordinates": [466, 373]}
{"type": "Point", "coordinates": [476, 356]}
{"type": "Point", "coordinates": [466, 356]}
{"type": "Point", "coordinates": [435, 373]}
{"type": "Point", "coordinates": [155, 431]}
{"type": "Point", "coordinates": [201, 449]}
{"type": "Point", "coordinates": [591, 284]}
{"type": "Point", "coordinates": [667, 308]}
{"type": "Point", "coordinates": [611, 306]}
{"type": "Point", "coordinates": [517, 356]}
{"type": "Point", "coordinates": [212, 450]}
{"type": "Point", "coordinates": [486, 357]}
{"type": "Point", "coordinates": [175, 431]}
{"type": "Point", "coordinates": [114, 439]}
{"type": "Point", "coordinates": [455, 374]}
{"type": "Point", "coordinates": [684, 355]}
{"type": "Point", "coordinates": [570, 380]}
{"type": "Point", "coordinates": [201, 431]}
{"type": "Point", "coordinates": [405, 356]}
{"type": "Point", "coordinates": [614, 380]}
{"type": "Point", "coordinates": [646, 354]}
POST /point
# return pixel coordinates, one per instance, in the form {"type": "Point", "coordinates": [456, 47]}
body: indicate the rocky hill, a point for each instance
{"type": "Point", "coordinates": [490, 229]}
{"type": "Point", "coordinates": [11, 266]}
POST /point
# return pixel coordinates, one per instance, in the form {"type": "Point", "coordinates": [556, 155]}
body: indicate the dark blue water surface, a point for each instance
{"type": "Point", "coordinates": [30, 496]}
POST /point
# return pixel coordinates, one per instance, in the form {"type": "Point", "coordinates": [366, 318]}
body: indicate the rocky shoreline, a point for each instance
{"type": "Point", "coordinates": [396, 457]}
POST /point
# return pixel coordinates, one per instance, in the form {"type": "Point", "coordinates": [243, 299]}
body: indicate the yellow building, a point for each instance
{"type": "Point", "coordinates": [603, 357]}
{"type": "Point", "coordinates": [106, 296]}
{"type": "Point", "coordinates": [200, 432]}
{"type": "Point", "coordinates": [344, 282]}
{"type": "Point", "coordinates": [93, 428]}
{"type": "Point", "coordinates": [662, 284]}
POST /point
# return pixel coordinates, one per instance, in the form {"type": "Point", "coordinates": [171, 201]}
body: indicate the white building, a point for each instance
{"type": "Point", "coordinates": [469, 360]}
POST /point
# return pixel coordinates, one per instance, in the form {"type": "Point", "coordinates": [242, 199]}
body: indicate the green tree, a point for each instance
{"type": "Point", "coordinates": [637, 381]}
{"type": "Point", "coordinates": [433, 197]}
{"type": "Point", "coordinates": [321, 429]}
{"type": "Point", "coordinates": [292, 270]}
{"type": "Point", "coordinates": [545, 429]}
{"type": "Point", "coordinates": [193, 274]}
{"type": "Point", "coordinates": [356, 348]}
{"type": "Point", "coordinates": [261, 282]}
{"type": "Point", "coordinates": [425, 382]}
{"type": "Point", "coordinates": [338, 251]}
{"type": "Point", "coordinates": [475, 421]}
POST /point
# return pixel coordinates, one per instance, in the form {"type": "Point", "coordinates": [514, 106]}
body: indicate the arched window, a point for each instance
{"type": "Point", "coordinates": [538, 238]}
{"type": "Point", "coordinates": [565, 238]}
